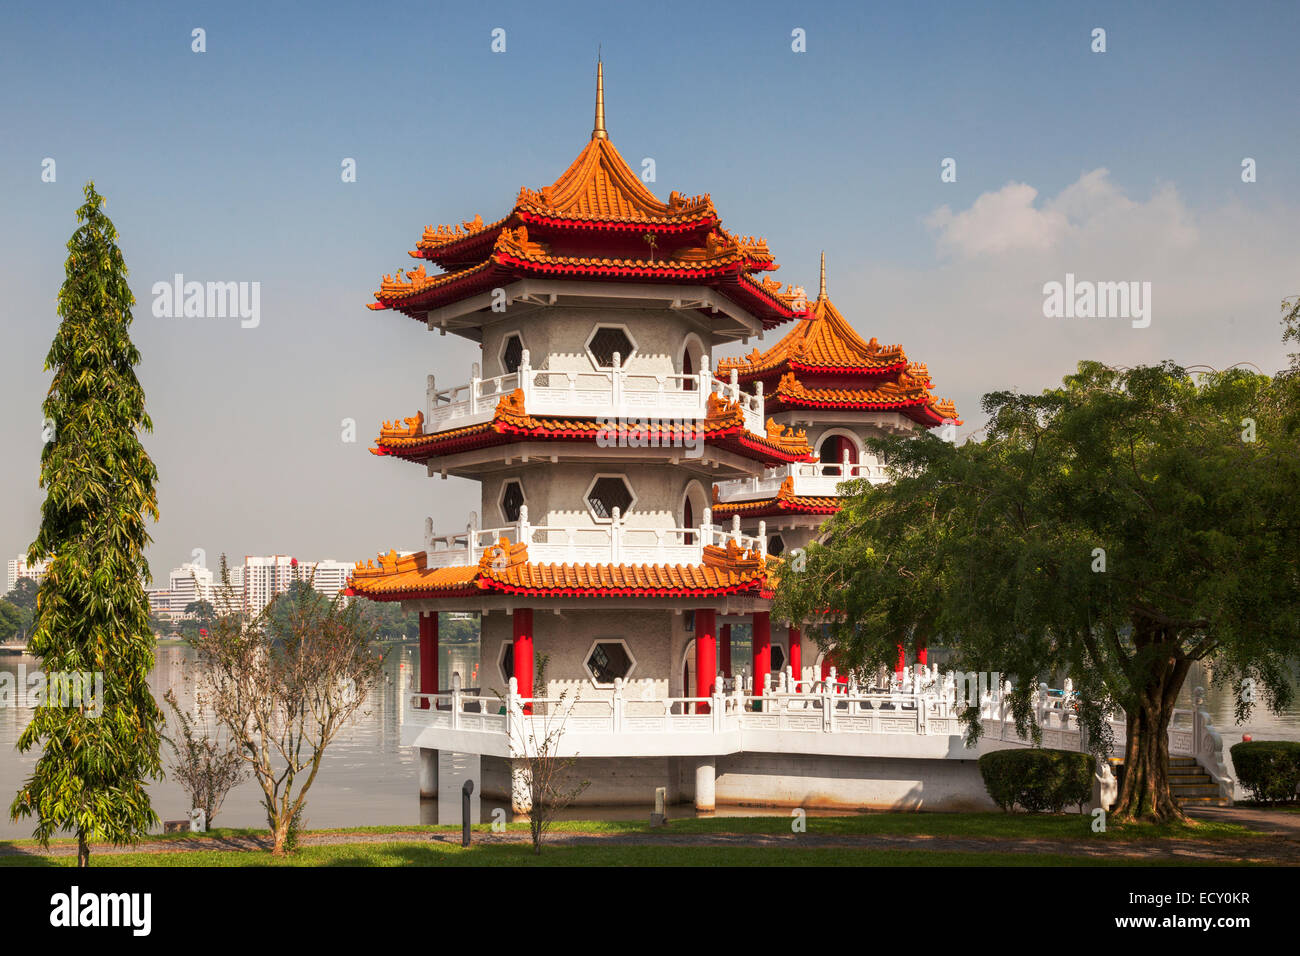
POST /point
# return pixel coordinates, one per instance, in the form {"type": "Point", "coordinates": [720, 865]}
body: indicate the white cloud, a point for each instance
{"type": "Point", "coordinates": [975, 316]}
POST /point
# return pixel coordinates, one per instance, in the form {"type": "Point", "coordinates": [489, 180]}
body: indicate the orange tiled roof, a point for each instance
{"type": "Point", "coordinates": [785, 501]}
{"type": "Point", "coordinates": [905, 392]}
{"type": "Point", "coordinates": [823, 341]}
{"type": "Point", "coordinates": [723, 256]}
{"type": "Point", "coordinates": [505, 568]}
{"type": "Point", "coordinates": [725, 424]}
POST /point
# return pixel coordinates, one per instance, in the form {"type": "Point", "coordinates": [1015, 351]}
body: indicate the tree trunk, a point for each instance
{"type": "Point", "coordinates": [1144, 793]}
{"type": "Point", "coordinates": [83, 851]}
{"type": "Point", "coordinates": [281, 833]}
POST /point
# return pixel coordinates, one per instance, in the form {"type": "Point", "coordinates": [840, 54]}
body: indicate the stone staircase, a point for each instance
{"type": "Point", "coordinates": [1190, 784]}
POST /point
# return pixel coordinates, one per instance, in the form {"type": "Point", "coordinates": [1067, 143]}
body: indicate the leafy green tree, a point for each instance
{"type": "Point", "coordinates": [23, 594]}
{"type": "Point", "coordinates": [92, 614]}
{"type": "Point", "coordinates": [1116, 530]}
{"type": "Point", "coordinates": [11, 620]}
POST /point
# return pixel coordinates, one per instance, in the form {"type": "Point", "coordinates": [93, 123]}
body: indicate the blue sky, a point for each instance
{"type": "Point", "coordinates": [225, 165]}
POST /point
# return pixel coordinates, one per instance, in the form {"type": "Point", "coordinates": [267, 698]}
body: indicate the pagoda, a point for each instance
{"type": "Point", "coordinates": [614, 541]}
{"type": "Point", "coordinates": [839, 391]}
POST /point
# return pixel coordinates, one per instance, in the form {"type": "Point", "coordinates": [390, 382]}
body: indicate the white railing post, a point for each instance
{"type": "Point", "coordinates": [735, 528]}
{"type": "Point", "coordinates": [521, 529]}
{"type": "Point", "coordinates": [514, 726]}
{"type": "Point", "coordinates": [475, 384]}
{"type": "Point", "coordinates": [455, 700]}
{"type": "Point", "coordinates": [762, 539]}
{"type": "Point", "coordinates": [526, 378]}
{"type": "Point", "coordinates": [615, 385]}
{"type": "Point", "coordinates": [758, 398]}
{"type": "Point", "coordinates": [471, 538]}
{"type": "Point", "coordinates": [703, 383]}
{"type": "Point", "coordinates": [617, 702]}
{"type": "Point", "coordinates": [734, 384]}
{"type": "Point", "coordinates": [430, 401]}
{"type": "Point", "coordinates": [615, 538]}
{"type": "Point", "coordinates": [706, 527]}
{"type": "Point", "coordinates": [719, 704]}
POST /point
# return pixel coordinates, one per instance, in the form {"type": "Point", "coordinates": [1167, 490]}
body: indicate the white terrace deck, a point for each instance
{"type": "Point", "coordinates": [813, 479]}
{"type": "Point", "coordinates": [607, 393]}
{"type": "Point", "coordinates": [612, 543]}
{"type": "Point", "coordinates": [821, 718]}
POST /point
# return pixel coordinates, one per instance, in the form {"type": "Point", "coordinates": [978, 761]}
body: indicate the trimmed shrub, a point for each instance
{"type": "Point", "coordinates": [1038, 779]}
{"type": "Point", "coordinates": [1269, 770]}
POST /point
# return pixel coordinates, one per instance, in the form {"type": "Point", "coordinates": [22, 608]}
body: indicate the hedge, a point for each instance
{"type": "Point", "coordinates": [1038, 779]}
{"type": "Point", "coordinates": [1269, 770]}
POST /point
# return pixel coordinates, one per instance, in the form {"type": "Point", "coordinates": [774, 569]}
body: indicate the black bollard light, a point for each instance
{"type": "Point", "coordinates": [465, 792]}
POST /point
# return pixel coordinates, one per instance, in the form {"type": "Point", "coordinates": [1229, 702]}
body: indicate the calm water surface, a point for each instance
{"type": "Point", "coordinates": [369, 779]}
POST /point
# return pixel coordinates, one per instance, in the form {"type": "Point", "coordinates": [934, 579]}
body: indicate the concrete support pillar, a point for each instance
{"type": "Point", "coordinates": [428, 774]}
{"type": "Point", "coordinates": [523, 653]}
{"type": "Point", "coordinates": [796, 652]}
{"type": "Point", "coordinates": [521, 796]}
{"type": "Point", "coordinates": [428, 653]}
{"type": "Point", "coordinates": [724, 650]}
{"type": "Point", "coordinates": [706, 657]}
{"type": "Point", "coordinates": [762, 650]}
{"type": "Point", "coordinates": [705, 783]}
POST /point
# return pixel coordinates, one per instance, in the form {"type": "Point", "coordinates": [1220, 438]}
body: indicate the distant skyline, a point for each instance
{"type": "Point", "coordinates": [225, 166]}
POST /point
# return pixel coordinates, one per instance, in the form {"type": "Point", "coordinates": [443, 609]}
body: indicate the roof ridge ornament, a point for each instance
{"type": "Point", "coordinates": [598, 131]}
{"type": "Point", "coordinates": [822, 294]}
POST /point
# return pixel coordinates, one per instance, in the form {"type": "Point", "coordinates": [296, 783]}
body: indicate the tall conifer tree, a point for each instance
{"type": "Point", "coordinates": [92, 614]}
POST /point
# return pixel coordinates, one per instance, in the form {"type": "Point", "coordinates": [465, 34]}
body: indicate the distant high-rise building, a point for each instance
{"type": "Point", "coordinates": [189, 583]}
{"type": "Point", "coordinates": [266, 577]}
{"type": "Point", "coordinates": [19, 568]}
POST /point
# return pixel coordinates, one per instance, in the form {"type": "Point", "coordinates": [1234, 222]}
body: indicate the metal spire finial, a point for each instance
{"type": "Point", "coordinates": [598, 131]}
{"type": "Point", "coordinates": [822, 295]}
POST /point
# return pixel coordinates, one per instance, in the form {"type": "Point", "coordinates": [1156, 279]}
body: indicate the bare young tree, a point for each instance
{"type": "Point", "coordinates": [284, 684]}
{"type": "Point", "coordinates": [206, 767]}
{"type": "Point", "coordinates": [545, 781]}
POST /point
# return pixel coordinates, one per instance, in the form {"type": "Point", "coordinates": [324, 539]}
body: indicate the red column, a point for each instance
{"type": "Point", "coordinates": [724, 649]}
{"type": "Point", "coordinates": [428, 655]}
{"type": "Point", "coordinates": [902, 662]}
{"type": "Point", "coordinates": [762, 650]}
{"type": "Point", "coordinates": [796, 653]}
{"type": "Point", "coordinates": [922, 654]}
{"type": "Point", "coordinates": [706, 655]}
{"type": "Point", "coordinates": [523, 652]}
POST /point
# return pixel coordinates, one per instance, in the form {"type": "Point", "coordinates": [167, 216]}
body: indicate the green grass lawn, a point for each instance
{"type": "Point", "coordinates": [443, 854]}
{"type": "Point", "coordinates": [405, 851]}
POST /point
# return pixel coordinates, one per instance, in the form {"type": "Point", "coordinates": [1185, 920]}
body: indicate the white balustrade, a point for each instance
{"type": "Point", "coordinates": [615, 542]}
{"type": "Point", "coordinates": [614, 392]}
{"type": "Point", "coordinates": [929, 707]}
{"type": "Point", "coordinates": [814, 478]}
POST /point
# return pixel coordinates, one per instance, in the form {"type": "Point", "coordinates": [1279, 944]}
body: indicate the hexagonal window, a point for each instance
{"type": "Point", "coordinates": [608, 661]}
{"type": "Point", "coordinates": [512, 500]}
{"type": "Point", "coordinates": [608, 492]}
{"type": "Point", "coordinates": [775, 546]}
{"type": "Point", "coordinates": [778, 658]}
{"type": "Point", "coordinates": [605, 341]}
{"type": "Point", "coordinates": [512, 354]}
{"type": "Point", "coordinates": [506, 660]}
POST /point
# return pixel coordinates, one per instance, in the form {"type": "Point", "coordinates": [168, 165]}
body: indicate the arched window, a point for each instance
{"type": "Point", "coordinates": [832, 450]}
